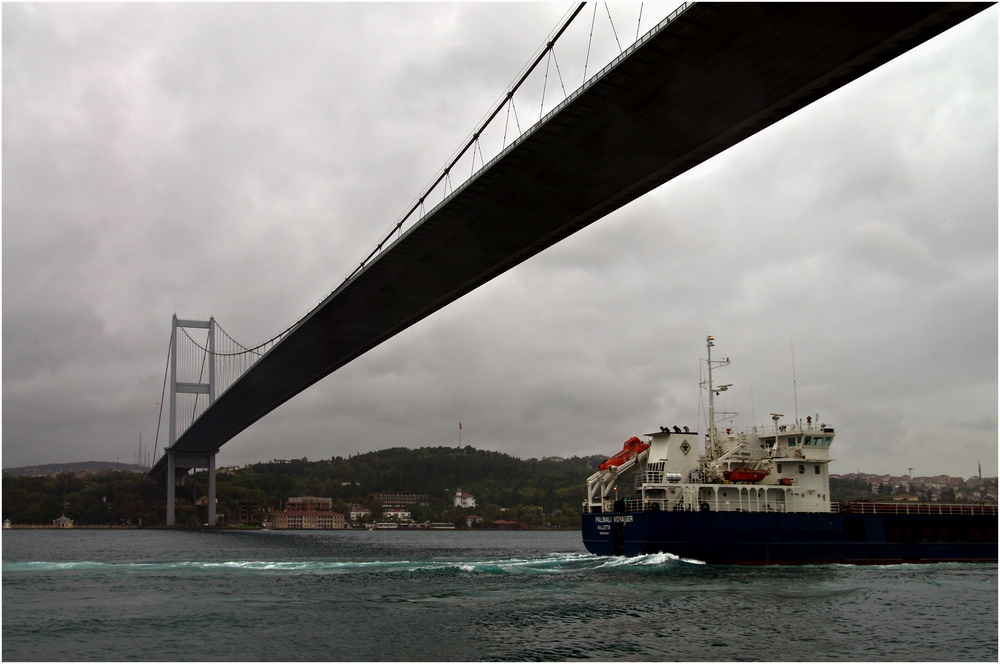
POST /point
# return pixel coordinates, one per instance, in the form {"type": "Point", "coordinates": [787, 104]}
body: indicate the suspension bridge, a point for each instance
{"type": "Point", "coordinates": [700, 81]}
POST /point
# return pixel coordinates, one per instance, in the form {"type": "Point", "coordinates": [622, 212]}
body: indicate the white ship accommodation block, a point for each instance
{"type": "Point", "coordinates": [780, 468]}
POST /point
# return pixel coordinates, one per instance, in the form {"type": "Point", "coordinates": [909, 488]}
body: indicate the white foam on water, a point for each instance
{"type": "Point", "coordinates": [648, 560]}
{"type": "Point", "coordinates": [551, 563]}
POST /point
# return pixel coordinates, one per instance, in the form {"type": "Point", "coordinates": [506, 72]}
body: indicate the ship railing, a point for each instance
{"type": "Point", "coordinates": [657, 477]}
{"type": "Point", "coordinates": [866, 507]}
{"type": "Point", "coordinates": [678, 505]}
{"type": "Point", "coordinates": [648, 477]}
{"type": "Point", "coordinates": [787, 429]}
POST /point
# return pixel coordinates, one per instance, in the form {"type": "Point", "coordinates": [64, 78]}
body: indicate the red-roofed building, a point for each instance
{"type": "Point", "coordinates": [506, 525]}
{"type": "Point", "coordinates": [464, 499]}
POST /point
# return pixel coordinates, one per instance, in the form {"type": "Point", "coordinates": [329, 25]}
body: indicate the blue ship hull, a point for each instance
{"type": "Point", "coordinates": [762, 538]}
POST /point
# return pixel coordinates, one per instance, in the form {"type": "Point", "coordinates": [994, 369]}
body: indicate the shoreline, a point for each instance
{"type": "Point", "coordinates": [162, 527]}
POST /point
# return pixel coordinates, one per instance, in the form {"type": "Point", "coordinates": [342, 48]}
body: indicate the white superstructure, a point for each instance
{"type": "Point", "coordinates": [779, 468]}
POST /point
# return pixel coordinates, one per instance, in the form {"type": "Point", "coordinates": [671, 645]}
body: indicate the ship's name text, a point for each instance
{"type": "Point", "coordinates": [613, 519]}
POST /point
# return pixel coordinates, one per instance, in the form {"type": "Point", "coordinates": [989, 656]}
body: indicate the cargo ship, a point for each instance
{"type": "Point", "coordinates": [762, 497]}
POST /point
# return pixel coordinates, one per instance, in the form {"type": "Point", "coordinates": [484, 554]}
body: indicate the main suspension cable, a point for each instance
{"type": "Point", "coordinates": [163, 393]}
{"type": "Point", "coordinates": [465, 148]}
{"type": "Point", "coordinates": [245, 350]}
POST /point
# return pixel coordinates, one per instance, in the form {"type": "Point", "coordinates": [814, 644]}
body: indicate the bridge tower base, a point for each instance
{"type": "Point", "coordinates": [178, 463]}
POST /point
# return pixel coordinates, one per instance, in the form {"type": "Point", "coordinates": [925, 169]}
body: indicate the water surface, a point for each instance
{"type": "Point", "coordinates": [465, 596]}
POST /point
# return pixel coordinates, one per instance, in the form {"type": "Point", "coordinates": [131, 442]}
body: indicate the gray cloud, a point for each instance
{"type": "Point", "coordinates": [238, 160]}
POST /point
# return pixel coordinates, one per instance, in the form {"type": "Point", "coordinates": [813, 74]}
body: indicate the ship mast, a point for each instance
{"type": "Point", "coordinates": [711, 395]}
{"type": "Point", "coordinates": [712, 392]}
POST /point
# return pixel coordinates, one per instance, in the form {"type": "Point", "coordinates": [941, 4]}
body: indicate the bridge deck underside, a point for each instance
{"type": "Point", "coordinates": [715, 75]}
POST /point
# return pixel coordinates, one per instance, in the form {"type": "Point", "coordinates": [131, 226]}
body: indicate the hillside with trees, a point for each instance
{"type": "Point", "coordinates": [76, 467]}
{"type": "Point", "coordinates": [107, 497]}
{"type": "Point", "coordinates": [536, 492]}
{"type": "Point", "coordinates": [505, 487]}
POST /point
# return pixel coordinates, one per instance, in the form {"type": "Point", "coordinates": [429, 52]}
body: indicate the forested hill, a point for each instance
{"type": "Point", "coordinates": [73, 467]}
{"type": "Point", "coordinates": [531, 491]}
{"type": "Point", "coordinates": [498, 481]}
{"type": "Point", "coordinates": [494, 478]}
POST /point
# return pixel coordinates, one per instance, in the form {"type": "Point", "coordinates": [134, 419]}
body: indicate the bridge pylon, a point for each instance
{"type": "Point", "coordinates": [183, 461]}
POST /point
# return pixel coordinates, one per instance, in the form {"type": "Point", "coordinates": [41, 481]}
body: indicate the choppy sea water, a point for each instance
{"type": "Point", "coordinates": [465, 596]}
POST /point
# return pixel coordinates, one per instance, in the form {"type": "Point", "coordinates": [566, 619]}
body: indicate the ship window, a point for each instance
{"type": "Point", "coordinates": [779, 467]}
{"type": "Point", "coordinates": [982, 530]}
{"type": "Point", "coordinates": [808, 439]}
{"type": "Point", "coordinates": [829, 439]}
{"type": "Point", "coordinates": [898, 530]}
{"type": "Point", "coordinates": [941, 531]}
{"type": "Point", "coordinates": [802, 469]}
{"type": "Point", "coordinates": [855, 529]}
{"type": "Point", "coordinates": [817, 469]}
{"type": "Point", "coordinates": [791, 441]}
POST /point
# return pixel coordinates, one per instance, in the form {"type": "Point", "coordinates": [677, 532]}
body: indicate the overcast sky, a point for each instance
{"type": "Point", "coordinates": [238, 160]}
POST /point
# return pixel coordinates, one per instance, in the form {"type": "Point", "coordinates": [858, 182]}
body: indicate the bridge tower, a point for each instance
{"type": "Point", "coordinates": [184, 461]}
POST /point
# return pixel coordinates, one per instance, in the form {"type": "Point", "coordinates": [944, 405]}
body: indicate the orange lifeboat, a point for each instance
{"type": "Point", "coordinates": [632, 447]}
{"type": "Point", "coordinates": [744, 475]}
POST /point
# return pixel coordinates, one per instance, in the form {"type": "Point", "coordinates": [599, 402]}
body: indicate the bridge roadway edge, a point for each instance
{"type": "Point", "coordinates": [714, 76]}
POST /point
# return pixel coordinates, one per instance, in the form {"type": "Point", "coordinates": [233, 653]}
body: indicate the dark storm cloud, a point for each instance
{"type": "Point", "coordinates": [238, 160]}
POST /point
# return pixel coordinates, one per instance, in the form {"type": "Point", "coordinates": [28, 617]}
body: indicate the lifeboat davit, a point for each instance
{"type": "Point", "coordinates": [744, 475]}
{"type": "Point", "coordinates": [632, 447]}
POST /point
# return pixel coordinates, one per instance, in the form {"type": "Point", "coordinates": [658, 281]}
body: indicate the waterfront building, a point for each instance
{"type": "Point", "coordinates": [248, 511]}
{"type": "Point", "coordinates": [464, 499]}
{"type": "Point", "coordinates": [308, 504]}
{"type": "Point", "coordinates": [356, 512]}
{"type": "Point", "coordinates": [506, 525]}
{"type": "Point", "coordinates": [397, 513]}
{"type": "Point", "coordinates": [308, 520]}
